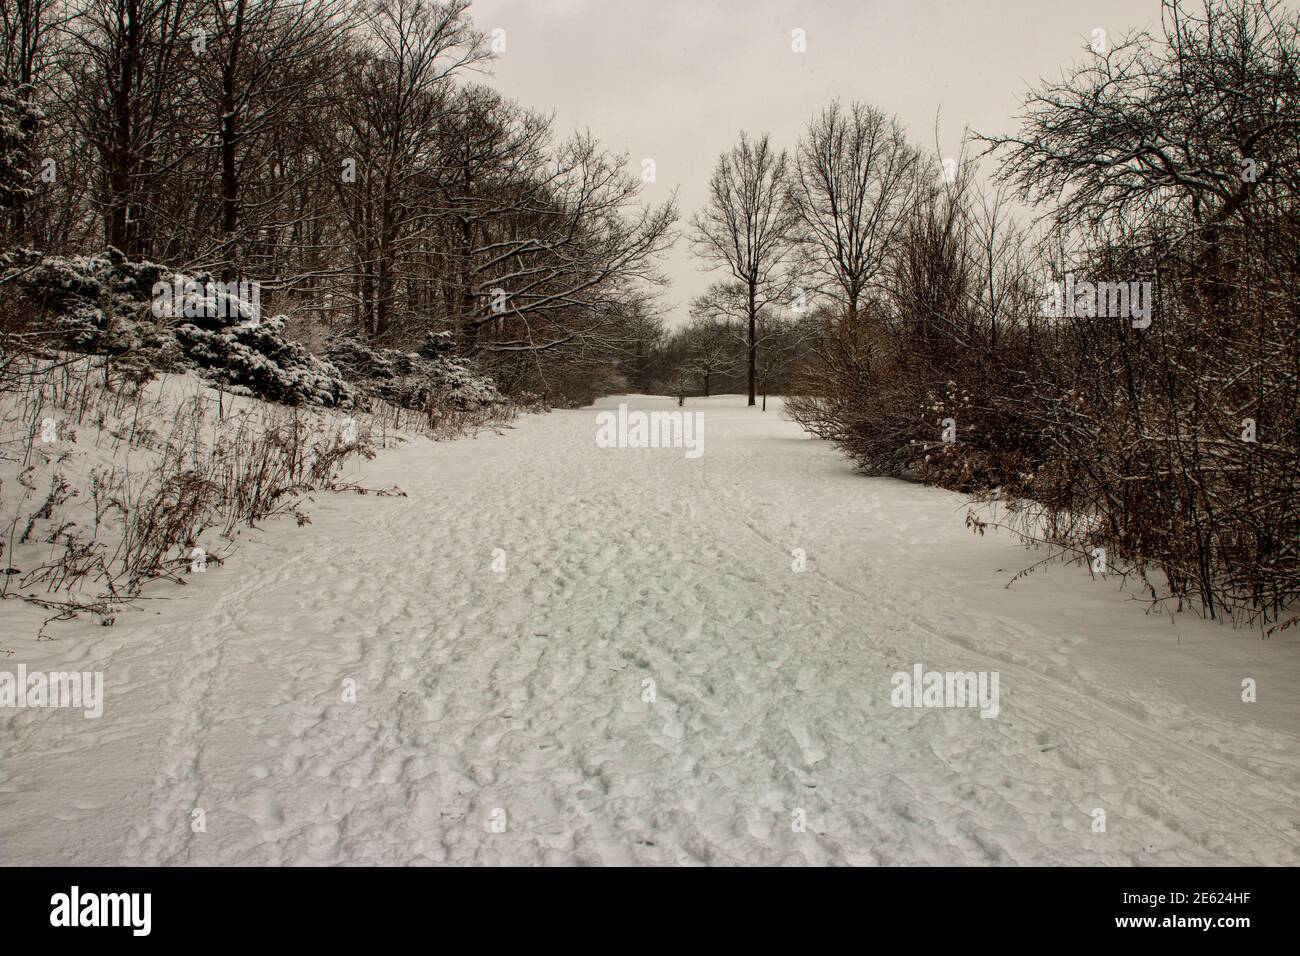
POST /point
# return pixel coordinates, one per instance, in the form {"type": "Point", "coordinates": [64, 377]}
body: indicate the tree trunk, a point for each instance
{"type": "Point", "coordinates": [119, 160]}
{"type": "Point", "coordinates": [229, 177]}
{"type": "Point", "coordinates": [753, 342]}
{"type": "Point", "coordinates": [385, 277]}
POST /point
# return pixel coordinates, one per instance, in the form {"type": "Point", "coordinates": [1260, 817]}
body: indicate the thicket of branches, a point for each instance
{"type": "Point", "coordinates": [343, 155]}
{"type": "Point", "coordinates": [710, 354]}
{"type": "Point", "coordinates": [1169, 450]}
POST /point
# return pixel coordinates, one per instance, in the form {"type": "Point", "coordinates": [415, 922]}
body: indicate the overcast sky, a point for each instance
{"type": "Point", "coordinates": [677, 80]}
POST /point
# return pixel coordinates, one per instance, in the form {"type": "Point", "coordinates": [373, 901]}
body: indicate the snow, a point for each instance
{"type": "Point", "coordinates": [517, 701]}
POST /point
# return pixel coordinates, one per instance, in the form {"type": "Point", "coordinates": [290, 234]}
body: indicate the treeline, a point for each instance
{"type": "Point", "coordinates": [343, 155]}
{"type": "Point", "coordinates": [708, 355]}
{"type": "Point", "coordinates": [1103, 343]}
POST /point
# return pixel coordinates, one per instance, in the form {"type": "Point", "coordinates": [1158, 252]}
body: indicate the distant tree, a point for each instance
{"type": "Point", "coordinates": [710, 349]}
{"type": "Point", "coordinates": [747, 227]}
{"type": "Point", "coordinates": [852, 180]}
{"type": "Point", "coordinates": [643, 332]}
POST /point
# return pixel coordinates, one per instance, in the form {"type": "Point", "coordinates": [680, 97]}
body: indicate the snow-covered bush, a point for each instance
{"type": "Point", "coordinates": [427, 379]}
{"type": "Point", "coordinates": [20, 122]}
{"type": "Point", "coordinates": [105, 305]}
{"type": "Point", "coordinates": [90, 303]}
{"type": "Point", "coordinates": [150, 319]}
{"type": "Point", "coordinates": [258, 360]}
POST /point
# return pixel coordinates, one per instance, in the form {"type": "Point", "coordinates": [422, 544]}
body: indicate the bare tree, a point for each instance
{"type": "Point", "coordinates": [24, 35]}
{"type": "Point", "coordinates": [383, 160]}
{"type": "Point", "coordinates": [710, 349]}
{"type": "Point", "coordinates": [853, 178]}
{"type": "Point", "coordinates": [489, 148]}
{"type": "Point", "coordinates": [573, 252]}
{"type": "Point", "coordinates": [1201, 125]}
{"type": "Point", "coordinates": [747, 227]}
{"type": "Point", "coordinates": [25, 27]}
{"type": "Point", "coordinates": [129, 67]}
{"type": "Point", "coordinates": [263, 64]}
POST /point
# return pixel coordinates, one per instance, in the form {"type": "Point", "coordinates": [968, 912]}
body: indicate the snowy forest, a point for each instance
{"type": "Point", "coordinates": [295, 296]}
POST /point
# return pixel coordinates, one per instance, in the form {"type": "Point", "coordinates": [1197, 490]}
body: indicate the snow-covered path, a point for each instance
{"type": "Point", "coordinates": [519, 697]}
